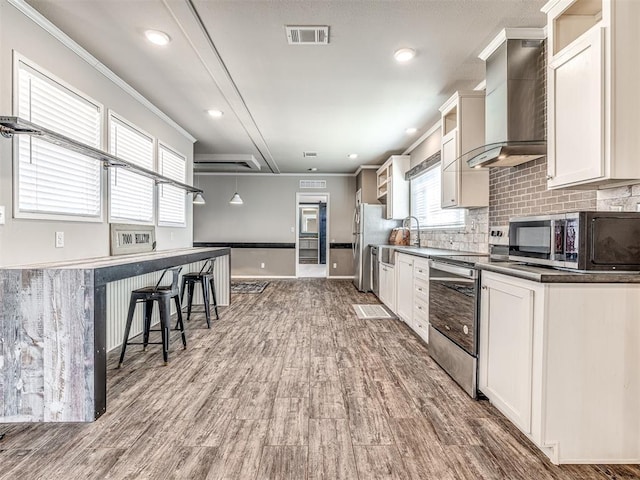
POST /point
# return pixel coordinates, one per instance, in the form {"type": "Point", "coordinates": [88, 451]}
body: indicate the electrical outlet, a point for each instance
{"type": "Point", "coordinates": [2, 215]}
{"type": "Point", "coordinates": [262, 265]}
{"type": "Point", "coordinates": [335, 265]}
{"type": "Point", "coordinates": [171, 236]}
{"type": "Point", "coordinates": [59, 239]}
{"type": "Point", "coordinates": [293, 229]}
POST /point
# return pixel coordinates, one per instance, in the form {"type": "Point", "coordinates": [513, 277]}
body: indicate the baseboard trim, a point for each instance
{"type": "Point", "coordinates": [240, 277]}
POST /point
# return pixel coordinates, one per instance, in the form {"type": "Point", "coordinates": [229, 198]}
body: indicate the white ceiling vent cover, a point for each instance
{"type": "Point", "coordinates": [307, 34]}
{"type": "Point", "coordinates": [313, 184]}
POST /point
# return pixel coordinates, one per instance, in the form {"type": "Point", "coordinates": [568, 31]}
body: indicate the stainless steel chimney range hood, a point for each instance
{"type": "Point", "coordinates": [515, 100]}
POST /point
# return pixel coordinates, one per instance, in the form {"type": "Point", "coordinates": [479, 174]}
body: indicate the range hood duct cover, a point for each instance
{"type": "Point", "coordinates": [515, 103]}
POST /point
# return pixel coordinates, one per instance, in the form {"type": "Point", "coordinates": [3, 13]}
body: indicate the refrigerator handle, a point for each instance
{"type": "Point", "coordinates": [354, 234]}
{"type": "Point", "coordinates": [356, 245]}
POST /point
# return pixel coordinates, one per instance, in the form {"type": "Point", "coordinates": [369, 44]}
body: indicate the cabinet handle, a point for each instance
{"type": "Point", "coordinates": [484, 287]}
{"type": "Point", "coordinates": [419, 289]}
{"type": "Point", "coordinates": [419, 308]}
{"type": "Point", "coordinates": [549, 177]}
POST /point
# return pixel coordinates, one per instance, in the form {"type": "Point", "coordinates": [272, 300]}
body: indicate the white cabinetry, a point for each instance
{"type": "Point", "coordinates": [463, 130]}
{"type": "Point", "coordinates": [593, 94]}
{"type": "Point", "coordinates": [562, 361]}
{"type": "Point", "coordinates": [420, 322]}
{"type": "Point", "coordinates": [404, 287]}
{"type": "Point", "coordinates": [393, 189]}
{"type": "Point", "coordinates": [387, 286]}
{"type": "Point", "coordinates": [506, 340]}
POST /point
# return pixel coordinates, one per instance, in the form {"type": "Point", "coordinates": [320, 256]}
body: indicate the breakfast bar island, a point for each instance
{"type": "Point", "coordinates": [53, 330]}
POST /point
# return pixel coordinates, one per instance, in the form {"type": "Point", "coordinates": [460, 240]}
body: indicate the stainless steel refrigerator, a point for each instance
{"type": "Point", "coordinates": [369, 228]}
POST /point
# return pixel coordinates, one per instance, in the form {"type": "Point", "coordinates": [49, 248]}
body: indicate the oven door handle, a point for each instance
{"type": "Point", "coordinates": [445, 267]}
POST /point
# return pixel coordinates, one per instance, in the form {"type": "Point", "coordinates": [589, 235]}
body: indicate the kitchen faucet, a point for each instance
{"type": "Point", "coordinates": [417, 241]}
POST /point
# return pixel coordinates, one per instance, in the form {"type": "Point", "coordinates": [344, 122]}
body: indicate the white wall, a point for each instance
{"type": "Point", "coordinates": [27, 241]}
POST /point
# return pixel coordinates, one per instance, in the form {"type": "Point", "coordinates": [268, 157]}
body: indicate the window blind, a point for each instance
{"type": "Point", "coordinates": [52, 179]}
{"type": "Point", "coordinates": [131, 195]}
{"type": "Point", "coordinates": [171, 200]}
{"type": "Point", "coordinates": [425, 202]}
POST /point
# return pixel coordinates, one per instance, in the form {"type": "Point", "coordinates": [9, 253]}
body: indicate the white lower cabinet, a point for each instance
{"type": "Point", "coordinates": [421, 298]}
{"type": "Point", "coordinates": [412, 293]}
{"type": "Point", "coordinates": [387, 286]}
{"type": "Point", "coordinates": [404, 287]}
{"type": "Point", "coordinates": [562, 362]}
{"type": "Point", "coordinates": [506, 343]}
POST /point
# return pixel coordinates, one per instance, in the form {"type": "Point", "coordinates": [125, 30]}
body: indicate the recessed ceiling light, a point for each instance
{"type": "Point", "coordinates": [157, 37]}
{"type": "Point", "coordinates": [411, 130]}
{"type": "Point", "coordinates": [312, 169]}
{"type": "Point", "coordinates": [353, 156]}
{"type": "Point", "coordinates": [215, 113]}
{"type": "Point", "coordinates": [404, 54]}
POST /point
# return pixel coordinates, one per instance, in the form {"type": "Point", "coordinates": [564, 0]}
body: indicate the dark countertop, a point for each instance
{"type": "Point", "coordinates": [427, 252]}
{"type": "Point", "coordinates": [526, 272]}
{"type": "Point", "coordinates": [115, 260]}
{"type": "Point", "coordinates": [552, 275]}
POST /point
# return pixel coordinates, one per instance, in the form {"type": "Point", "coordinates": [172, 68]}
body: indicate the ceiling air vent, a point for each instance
{"type": "Point", "coordinates": [309, 154]}
{"type": "Point", "coordinates": [307, 34]}
{"type": "Point", "coordinates": [221, 162]}
{"type": "Point", "coordinates": [313, 184]}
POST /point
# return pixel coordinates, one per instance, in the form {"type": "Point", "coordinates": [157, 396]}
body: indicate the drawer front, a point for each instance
{"type": "Point", "coordinates": [421, 291]}
{"type": "Point", "coordinates": [421, 325]}
{"type": "Point", "coordinates": [421, 270]}
{"type": "Point", "coordinates": [421, 310]}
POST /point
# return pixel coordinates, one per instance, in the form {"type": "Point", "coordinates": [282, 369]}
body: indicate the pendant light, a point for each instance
{"type": "Point", "coordinates": [236, 200]}
{"type": "Point", "coordinates": [198, 199]}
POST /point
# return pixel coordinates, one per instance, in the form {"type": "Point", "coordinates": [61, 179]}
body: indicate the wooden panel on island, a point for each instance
{"type": "Point", "coordinates": [53, 361]}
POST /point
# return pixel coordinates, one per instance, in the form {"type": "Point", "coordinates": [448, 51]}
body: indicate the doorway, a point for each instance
{"type": "Point", "coordinates": [312, 231]}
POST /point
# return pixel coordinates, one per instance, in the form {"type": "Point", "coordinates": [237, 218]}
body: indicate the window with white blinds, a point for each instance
{"type": "Point", "coordinates": [171, 200]}
{"type": "Point", "coordinates": [130, 194]}
{"type": "Point", "coordinates": [52, 180]}
{"type": "Point", "coordinates": [425, 202]}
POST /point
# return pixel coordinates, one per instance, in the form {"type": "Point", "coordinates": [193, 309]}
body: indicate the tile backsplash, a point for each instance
{"type": "Point", "coordinates": [519, 191]}
{"type": "Point", "coordinates": [471, 238]}
{"type": "Point", "coordinates": [522, 190]}
{"type": "Point", "coordinates": [625, 199]}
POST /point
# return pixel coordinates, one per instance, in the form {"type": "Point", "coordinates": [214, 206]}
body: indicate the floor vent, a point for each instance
{"type": "Point", "coordinates": [313, 184]}
{"type": "Point", "coordinates": [371, 311]}
{"type": "Point", "coordinates": [307, 34]}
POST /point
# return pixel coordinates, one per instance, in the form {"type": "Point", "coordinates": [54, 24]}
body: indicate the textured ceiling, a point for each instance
{"type": "Point", "coordinates": [349, 96]}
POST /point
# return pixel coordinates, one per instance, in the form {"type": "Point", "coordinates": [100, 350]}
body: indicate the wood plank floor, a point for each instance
{"type": "Point", "coordinates": [288, 384]}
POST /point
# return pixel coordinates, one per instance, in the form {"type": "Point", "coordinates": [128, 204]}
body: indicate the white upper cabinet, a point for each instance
{"type": "Point", "coordinates": [463, 130]}
{"type": "Point", "coordinates": [593, 92]}
{"type": "Point", "coordinates": [393, 189]}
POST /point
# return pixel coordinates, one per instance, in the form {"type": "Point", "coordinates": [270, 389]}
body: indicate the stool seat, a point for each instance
{"type": "Point", "coordinates": [163, 295]}
{"type": "Point", "coordinates": [205, 278]}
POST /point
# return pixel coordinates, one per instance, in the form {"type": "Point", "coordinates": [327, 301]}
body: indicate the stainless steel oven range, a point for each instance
{"type": "Point", "coordinates": [453, 318]}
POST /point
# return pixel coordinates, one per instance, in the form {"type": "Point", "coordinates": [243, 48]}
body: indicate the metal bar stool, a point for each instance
{"type": "Point", "coordinates": [163, 295]}
{"type": "Point", "coordinates": [205, 278]}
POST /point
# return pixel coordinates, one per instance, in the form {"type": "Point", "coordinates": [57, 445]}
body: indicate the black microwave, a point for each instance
{"type": "Point", "coordinates": [583, 241]}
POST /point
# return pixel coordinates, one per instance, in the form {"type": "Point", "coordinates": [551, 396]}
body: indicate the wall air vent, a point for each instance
{"type": "Point", "coordinates": [307, 34]}
{"type": "Point", "coordinates": [224, 162]}
{"type": "Point", "coordinates": [313, 184]}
